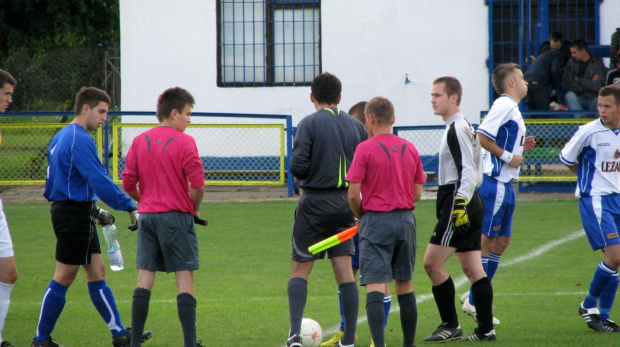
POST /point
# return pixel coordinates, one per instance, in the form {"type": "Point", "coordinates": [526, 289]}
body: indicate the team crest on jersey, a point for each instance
{"type": "Point", "coordinates": [617, 154]}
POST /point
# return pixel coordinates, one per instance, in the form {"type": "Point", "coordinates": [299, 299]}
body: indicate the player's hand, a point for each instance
{"type": "Point", "coordinates": [133, 220]}
{"type": "Point", "coordinates": [529, 143]}
{"type": "Point", "coordinates": [516, 161]}
{"type": "Point", "coordinates": [459, 215]}
{"type": "Point", "coordinates": [104, 217]}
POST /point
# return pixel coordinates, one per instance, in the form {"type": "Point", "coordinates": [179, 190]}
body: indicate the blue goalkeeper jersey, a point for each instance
{"type": "Point", "coordinates": [74, 172]}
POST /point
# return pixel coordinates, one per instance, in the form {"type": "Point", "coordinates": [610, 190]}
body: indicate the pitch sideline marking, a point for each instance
{"type": "Point", "coordinates": [462, 279]}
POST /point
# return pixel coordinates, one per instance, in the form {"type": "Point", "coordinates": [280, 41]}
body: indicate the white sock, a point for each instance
{"type": "Point", "coordinates": [5, 300]}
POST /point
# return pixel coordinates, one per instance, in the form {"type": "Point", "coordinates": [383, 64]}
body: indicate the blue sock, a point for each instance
{"type": "Point", "coordinates": [341, 312]}
{"type": "Point", "coordinates": [606, 300]}
{"type": "Point", "coordinates": [602, 276]}
{"type": "Point", "coordinates": [494, 259]}
{"type": "Point", "coordinates": [485, 267]}
{"type": "Point", "coordinates": [387, 303]}
{"type": "Point", "coordinates": [51, 307]}
{"type": "Point", "coordinates": [103, 299]}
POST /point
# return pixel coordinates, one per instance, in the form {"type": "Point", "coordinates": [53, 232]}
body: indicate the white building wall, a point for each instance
{"type": "Point", "coordinates": [370, 45]}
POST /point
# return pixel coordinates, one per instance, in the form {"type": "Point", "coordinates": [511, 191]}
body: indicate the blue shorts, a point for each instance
{"type": "Point", "coordinates": [499, 205]}
{"type": "Point", "coordinates": [600, 216]}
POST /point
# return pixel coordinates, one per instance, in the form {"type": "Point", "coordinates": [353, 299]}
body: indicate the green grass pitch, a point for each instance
{"type": "Point", "coordinates": [245, 263]}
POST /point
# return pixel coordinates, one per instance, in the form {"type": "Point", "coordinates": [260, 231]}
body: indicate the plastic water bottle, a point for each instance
{"type": "Point", "coordinates": [114, 248]}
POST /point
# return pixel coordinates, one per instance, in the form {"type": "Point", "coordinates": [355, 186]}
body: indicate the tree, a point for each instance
{"type": "Point", "coordinates": [48, 24]}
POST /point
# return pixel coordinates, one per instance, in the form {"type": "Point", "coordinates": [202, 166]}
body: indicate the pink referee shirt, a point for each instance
{"type": "Point", "coordinates": [163, 163]}
{"type": "Point", "coordinates": [387, 167]}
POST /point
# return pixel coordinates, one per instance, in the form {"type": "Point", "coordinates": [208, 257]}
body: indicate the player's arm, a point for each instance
{"type": "Point", "coordinates": [196, 195]}
{"type": "Point", "coordinates": [355, 200]}
{"type": "Point", "coordinates": [417, 191]}
{"type": "Point", "coordinates": [134, 194]}
{"type": "Point", "coordinates": [572, 168]}
{"type": "Point", "coordinates": [507, 157]}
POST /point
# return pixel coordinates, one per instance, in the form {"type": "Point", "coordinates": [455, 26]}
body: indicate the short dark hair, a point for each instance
{"type": "Point", "coordinates": [173, 99]}
{"type": "Point", "coordinates": [326, 88]}
{"type": "Point", "coordinates": [580, 45]}
{"type": "Point", "coordinates": [381, 108]}
{"type": "Point", "coordinates": [556, 36]}
{"type": "Point", "coordinates": [357, 111]}
{"type": "Point", "coordinates": [452, 86]}
{"type": "Point", "coordinates": [90, 96]}
{"type": "Point", "coordinates": [500, 74]}
{"type": "Point", "coordinates": [611, 90]}
{"type": "Point", "coordinates": [5, 78]}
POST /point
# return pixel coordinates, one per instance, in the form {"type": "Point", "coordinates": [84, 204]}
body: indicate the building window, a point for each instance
{"type": "Point", "coordinates": [268, 42]}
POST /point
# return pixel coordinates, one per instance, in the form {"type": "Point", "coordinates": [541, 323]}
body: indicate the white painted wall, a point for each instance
{"type": "Point", "coordinates": [370, 45]}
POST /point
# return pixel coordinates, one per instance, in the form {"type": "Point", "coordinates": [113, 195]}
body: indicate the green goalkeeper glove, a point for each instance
{"type": "Point", "coordinates": [459, 215]}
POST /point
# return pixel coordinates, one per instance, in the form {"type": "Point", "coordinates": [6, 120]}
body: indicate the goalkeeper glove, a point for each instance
{"type": "Point", "coordinates": [133, 220]}
{"type": "Point", "coordinates": [103, 217]}
{"type": "Point", "coordinates": [459, 215]}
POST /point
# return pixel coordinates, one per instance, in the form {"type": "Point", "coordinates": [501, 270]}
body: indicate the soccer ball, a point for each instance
{"type": "Point", "coordinates": [311, 333]}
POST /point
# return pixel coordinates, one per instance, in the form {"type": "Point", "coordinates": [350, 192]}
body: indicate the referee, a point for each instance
{"type": "Point", "coordinates": [75, 180]}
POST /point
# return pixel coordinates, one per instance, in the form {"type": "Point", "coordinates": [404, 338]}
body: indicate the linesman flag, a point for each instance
{"type": "Point", "coordinates": [333, 240]}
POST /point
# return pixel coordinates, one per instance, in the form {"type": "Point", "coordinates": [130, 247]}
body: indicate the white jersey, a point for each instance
{"type": "Point", "coordinates": [460, 161]}
{"type": "Point", "coordinates": [504, 125]}
{"type": "Point", "coordinates": [596, 150]}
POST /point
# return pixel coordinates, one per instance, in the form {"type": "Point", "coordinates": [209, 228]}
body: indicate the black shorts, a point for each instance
{"type": "Point", "coordinates": [319, 215]}
{"type": "Point", "coordinates": [76, 234]}
{"type": "Point", "coordinates": [444, 233]}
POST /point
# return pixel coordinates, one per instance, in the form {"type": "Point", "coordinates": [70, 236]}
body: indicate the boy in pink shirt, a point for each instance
{"type": "Point", "coordinates": [160, 164]}
{"type": "Point", "coordinates": [388, 173]}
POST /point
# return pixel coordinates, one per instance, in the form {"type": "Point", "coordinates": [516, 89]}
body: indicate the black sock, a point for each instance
{"type": "Point", "coordinates": [297, 295]}
{"type": "Point", "coordinates": [444, 298]}
{"type": "Point", "coordinates": [408, 317]}
{"type": "Point", "coordinates": [350, 307]}
{"type": "Point", "coordinates": [376, 316]}
{"type": "Point", "coordinates": [139, 312]}
{"type": "Point", "coordinates": [482, 291]}
{"type": "Point", "coordinates": [186, 306]}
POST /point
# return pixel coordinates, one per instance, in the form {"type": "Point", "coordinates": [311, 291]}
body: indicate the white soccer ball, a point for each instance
{"type": "Point", "coordinates": [311, 333]}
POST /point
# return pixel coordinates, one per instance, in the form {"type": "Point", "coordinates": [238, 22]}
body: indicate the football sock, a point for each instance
{"type": "Point", "coordinates": [52, 304]}
{"type": "Point", "coordinates": [103, 299]}
{"type": "Point", "coordinates": [387, 304]}
{"type": "Point", "coordinates": [350, 307]}
{"type": "Point", "coordinates": [483, 292]}
{"type": "Point", "coordinates": [444, 298]}
{"type": "Point", "coordinates": [606, 300]}
{"type": "Point", "coordinates": [186, 306]}
{"type": "Point", "coordinates": [139, 312]}
{"type": "Point", "coordinates": [5, 300]}
{"type": "Point", "coordinates": [602, 275]}
{"type": "Point", "coordinates": [375, 315]}
{"type": "Point", "coordinates": [341, 312]}
{"type": "Point", "coordinates": [485, 266]}
{"type": "Point", "coordinates": [494, 259]}
{"type": "Point", "coordinates": [408, 317]}
{"type": "Point", "coordinates": [297, 296]}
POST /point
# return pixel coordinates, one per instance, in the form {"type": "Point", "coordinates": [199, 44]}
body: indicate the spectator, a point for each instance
{"type": "Point", "coordinates": [556, 41]}
{"type": "Point", "coordinates": [614, 48]}
{"type": "Point", "coordinates": [613, 76]}
{"type": "Point", "coordinates": [545, 69]}
{"type": "Point", "coordinates": [583, 77]}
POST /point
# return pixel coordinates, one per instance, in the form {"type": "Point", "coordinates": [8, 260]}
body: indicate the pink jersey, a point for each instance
{"type": "Point", "coordinates": [163, 162]}
{"type": "Point", "coordinates": [387, 167]}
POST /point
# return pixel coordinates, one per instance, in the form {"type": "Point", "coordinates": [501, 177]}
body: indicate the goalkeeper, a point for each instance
{"type": "Point", "coordinates": [459, 212]}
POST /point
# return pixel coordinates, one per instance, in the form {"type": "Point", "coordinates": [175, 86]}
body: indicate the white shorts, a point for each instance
{"type": "Point", "coordinates": [6, 244]}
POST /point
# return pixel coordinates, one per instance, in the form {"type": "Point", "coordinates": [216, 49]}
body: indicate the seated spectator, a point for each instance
{"type": "Point", "coordinates": [583, 77]}
{"type": "Point", "coordinates": [614, 48]}
{"type": "Point", "coordinates": [545, 70]}
{"type": "Point", "coordinates": [556, 41]}
{"type": "Point", "coordinates": [613, 76]}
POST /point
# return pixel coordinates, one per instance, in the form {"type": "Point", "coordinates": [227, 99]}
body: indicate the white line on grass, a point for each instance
{"type": "Point", "coordinates": [463, 280]}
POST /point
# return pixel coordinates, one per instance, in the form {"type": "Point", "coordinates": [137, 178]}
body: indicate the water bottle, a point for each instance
{"type": "Point", "coordinates": [114, 249]}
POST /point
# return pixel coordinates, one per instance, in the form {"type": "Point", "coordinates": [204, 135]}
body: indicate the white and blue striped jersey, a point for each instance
{"type": "Point", "coordinates": [596, 150]}
{"type": "Point", "coordinates": [460, 160]}
{"type": "Point", "coordinates": [504, 125]}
